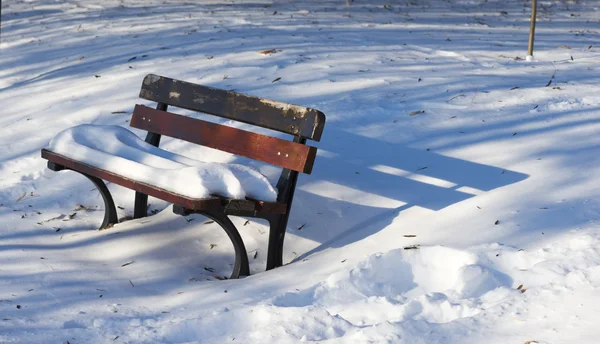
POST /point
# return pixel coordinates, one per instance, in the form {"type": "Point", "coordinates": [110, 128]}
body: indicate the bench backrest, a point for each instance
{"type": "Point", "coordinates": [301, 122]}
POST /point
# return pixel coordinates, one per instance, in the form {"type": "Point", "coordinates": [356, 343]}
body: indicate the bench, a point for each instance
{"type": "Point", "coordinates": [292, 156]}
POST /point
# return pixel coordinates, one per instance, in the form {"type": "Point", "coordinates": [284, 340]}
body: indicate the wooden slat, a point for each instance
{"type": "Point", "coordinates": [287, 118]}
{"type": "Point", "coordinates": [272, 150]}
{"type": "Point", "coordinates": [190, 203]}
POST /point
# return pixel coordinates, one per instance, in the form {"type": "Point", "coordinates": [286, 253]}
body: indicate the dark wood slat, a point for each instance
{"type": "Point", "coordinates": [287, 118]}
{"type": "Point", "coordinates": [190, 203]}
{"type": "Point", "coordinates": [272, 150]}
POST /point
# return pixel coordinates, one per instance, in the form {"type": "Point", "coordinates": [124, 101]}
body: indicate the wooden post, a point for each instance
{"type": "Point", "coordinates": [532, 30]}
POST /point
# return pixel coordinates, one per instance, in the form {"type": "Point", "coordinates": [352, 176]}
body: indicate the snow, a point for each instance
{"type": "Point", "coordinates": [116, 149]}
{"type": "Point", "coordinates": [476, 220]}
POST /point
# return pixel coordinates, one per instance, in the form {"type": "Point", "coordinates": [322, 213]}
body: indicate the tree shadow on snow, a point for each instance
{"type": "Point", "coordinates": [370, 181]}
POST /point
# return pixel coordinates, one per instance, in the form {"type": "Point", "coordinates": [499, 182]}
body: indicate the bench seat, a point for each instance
{"type": "Point", "coordinates": [117, 155]}
{"type": "Point", "coordinates": [119, 150]}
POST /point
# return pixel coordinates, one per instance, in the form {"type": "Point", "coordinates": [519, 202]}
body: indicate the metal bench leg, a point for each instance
{"type": "Point", "coordinates": [110, 211]}
{"type": "Point", "coordinates": [140, 208]}
{"type": "Point", "coordinates": [278, 223]}
{"type": "Point", "coordinates": [241, 266]}
{"type": "Point", "coordinates": [277, 229]}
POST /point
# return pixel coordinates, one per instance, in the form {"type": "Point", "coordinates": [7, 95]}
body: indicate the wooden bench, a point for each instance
{"type": "Point", "coordinates": [293, 156]}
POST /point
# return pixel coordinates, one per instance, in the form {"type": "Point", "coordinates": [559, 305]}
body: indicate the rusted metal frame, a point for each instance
{"type": "Point", "coordinates": [140, 208]}
{"type": "Point", "coordinates": [287, 118]}
{"type": "Point", "coordinates": [110, 211]}
{"type": "Point", "coordinates": [241, 266]}
{"type": "Point", "coordinates": [269, 149]}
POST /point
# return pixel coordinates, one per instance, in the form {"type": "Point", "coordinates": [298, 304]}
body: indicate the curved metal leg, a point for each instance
{"type": "Point", "coordinates": [110, 212]}
{"type": "Point", "coordinates": [241, 267]}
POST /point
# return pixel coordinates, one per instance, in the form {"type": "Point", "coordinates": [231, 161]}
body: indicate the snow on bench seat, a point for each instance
{"type": "Point", "coordinates": [120, 151]}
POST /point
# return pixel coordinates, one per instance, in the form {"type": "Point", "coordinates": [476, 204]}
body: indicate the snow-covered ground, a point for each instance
{"type": "Point", "coordinates": [455, 198]}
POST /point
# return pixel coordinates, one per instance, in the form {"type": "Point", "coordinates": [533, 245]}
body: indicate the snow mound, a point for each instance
{"type": "Point", "coordinates": [476, 280]}
{"type": "Point", "coordinates": [119, 150]}
{"type": "Point", "coordinates": [434, 284]}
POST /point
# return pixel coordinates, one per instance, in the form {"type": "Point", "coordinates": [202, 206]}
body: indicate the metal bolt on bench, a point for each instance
{"type": "Point", "coordinates": [293, 156]}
